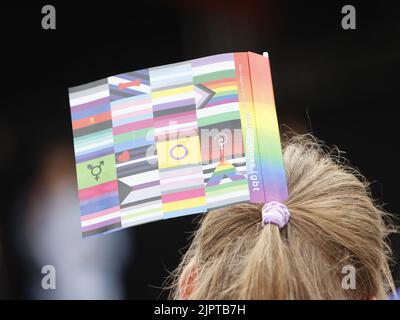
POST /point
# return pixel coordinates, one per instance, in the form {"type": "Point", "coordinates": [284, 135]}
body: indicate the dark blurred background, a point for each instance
{"type": "Point", "coordinates": [342, 85]}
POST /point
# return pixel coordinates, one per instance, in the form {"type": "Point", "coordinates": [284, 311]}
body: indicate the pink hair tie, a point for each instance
{"type": "Point", "coordinates": [276, 213]}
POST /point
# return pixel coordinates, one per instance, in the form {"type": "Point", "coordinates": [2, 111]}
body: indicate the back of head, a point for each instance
{"type": "Point", "coordinates": [334, 227]}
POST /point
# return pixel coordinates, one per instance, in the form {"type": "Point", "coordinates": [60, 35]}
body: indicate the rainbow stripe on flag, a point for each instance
{"type": "Point", "coordinates": [175, 140]}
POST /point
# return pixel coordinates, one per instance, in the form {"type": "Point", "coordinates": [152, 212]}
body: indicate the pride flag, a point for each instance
{"type": "Point", "coordinates": [175, 140]}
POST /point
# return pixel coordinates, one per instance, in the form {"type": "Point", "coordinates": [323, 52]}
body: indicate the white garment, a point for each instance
{"type": "Point", "coordinates": [87, 268]}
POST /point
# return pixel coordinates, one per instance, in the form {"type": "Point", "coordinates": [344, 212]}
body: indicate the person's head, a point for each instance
{"type": "Point", "coordinates": [335, 231]}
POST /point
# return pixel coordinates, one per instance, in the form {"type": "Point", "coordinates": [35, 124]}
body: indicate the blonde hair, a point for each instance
{"type": "Point", "coordinates": [334, 223]}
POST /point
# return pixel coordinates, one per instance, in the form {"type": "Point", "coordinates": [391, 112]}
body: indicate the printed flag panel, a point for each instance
{"type": "Point", "coordinates": [95, 160]}
{"type": "Point", "coordinates": [175, 140]}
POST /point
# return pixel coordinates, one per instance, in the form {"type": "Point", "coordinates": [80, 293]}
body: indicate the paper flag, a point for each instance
{"type": "Point", "coordinates": [175, 140]}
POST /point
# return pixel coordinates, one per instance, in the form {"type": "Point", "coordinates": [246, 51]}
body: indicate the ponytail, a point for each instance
{"type": "Point", "coordinates": [267, 271]}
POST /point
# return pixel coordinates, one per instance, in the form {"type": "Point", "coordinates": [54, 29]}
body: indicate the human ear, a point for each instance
{"type": "Point", "coordinates": [187, 281]}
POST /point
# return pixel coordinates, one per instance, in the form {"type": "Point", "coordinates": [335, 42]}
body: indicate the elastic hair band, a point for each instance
{"type": "Point", "coordinates": [276, 213]}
